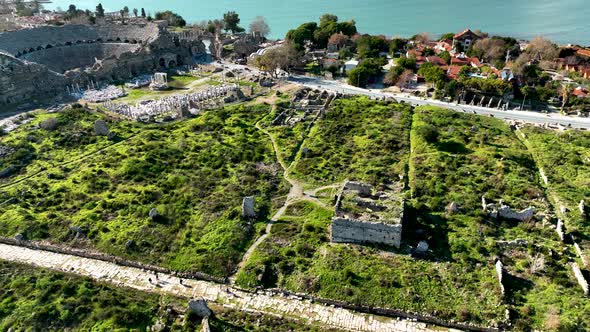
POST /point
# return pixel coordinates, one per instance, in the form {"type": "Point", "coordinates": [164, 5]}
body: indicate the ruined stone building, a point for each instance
{"type": "Point", "coordinates": [364, 216]}
{"type": "Point", "coordinates": [40, 62]}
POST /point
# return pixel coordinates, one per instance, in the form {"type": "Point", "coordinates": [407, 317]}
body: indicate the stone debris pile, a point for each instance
{"type": "Point", "coordinates": [102, 95]}
{"type": "Point", "coordinates": [502, 210]}
{"type": "Point", "coordinates": [139, 81]}
{"type": "Point", "coordinates": [172, 105]}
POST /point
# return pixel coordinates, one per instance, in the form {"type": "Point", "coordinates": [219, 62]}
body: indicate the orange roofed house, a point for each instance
{"type": "Point", "coordinates": [465, 39]}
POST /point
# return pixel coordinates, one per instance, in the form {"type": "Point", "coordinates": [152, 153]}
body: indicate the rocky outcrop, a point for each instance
{"type": "Point", "coordinates": [101, 128]}
{"type": "Point", "coordinates": [422, 248]}
{"type": "Point", "coordinates": [199, 307]}
{"type": "Point", "coordinates": [153, 214]}
{"type": "Point", "coordinates": [452, 208]}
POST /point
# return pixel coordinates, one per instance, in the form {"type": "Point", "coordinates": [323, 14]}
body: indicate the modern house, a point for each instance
{"type": "Point", "coordinates": [351, 64]}
{"type": "Point", "coordinates": [465, 39]}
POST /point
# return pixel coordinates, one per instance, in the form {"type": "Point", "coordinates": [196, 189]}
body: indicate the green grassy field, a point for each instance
{"type": "Point", "coordinates": [459, 157]}
{"type": "Point", "coordinates": [195, 173]}
{"type": "Point", "coordinates": [565, 159]}
{"type": "Point", "coordinates": [358, 139]}
{"type": "Point", "coordinates": [41, 300]}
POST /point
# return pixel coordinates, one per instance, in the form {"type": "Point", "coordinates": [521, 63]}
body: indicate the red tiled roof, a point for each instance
{"type": "Point", "coordinates": [584, 53]}
{"type": "Point", "coordinates": [462, 33]}
{"type": "Point", "coordinates": [475, 62]}
{"type": "Point", "coordinates": [460, 61]}
{"type": "Point", "coordinates": [453, 72]}
{"type": "Point", "coordinates": [436, 60]}
{"type": "Point", "coordinates": [580, 92]}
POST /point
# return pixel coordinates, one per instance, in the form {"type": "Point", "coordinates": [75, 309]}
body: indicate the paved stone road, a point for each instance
{"type": "Point", "coordinates": [236, 299]}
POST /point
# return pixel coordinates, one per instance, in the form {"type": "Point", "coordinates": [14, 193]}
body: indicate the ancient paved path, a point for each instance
{"type": "Point", "coordinates": [288, 307]}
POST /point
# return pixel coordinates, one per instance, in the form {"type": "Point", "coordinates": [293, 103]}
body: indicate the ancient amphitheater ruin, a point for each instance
{"type": "Point", "coordinates": [41, 62]}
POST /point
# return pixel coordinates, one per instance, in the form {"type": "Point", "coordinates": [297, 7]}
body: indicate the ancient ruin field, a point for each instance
{"type": "Point", "coordinates": [193, 173]}
{"type": "Point", "coordinates": [298, 256]}
{"type": "Point", "coordinates": [170, 194]}
{"type": "Point", "coordinates": [564, 159]}
{"type": "Point", "coordinates": [358, 139]}
{"type": "Point", "coordinates": [458, 158]}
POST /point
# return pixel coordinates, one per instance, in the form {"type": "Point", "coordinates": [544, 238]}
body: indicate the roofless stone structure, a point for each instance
{"type": "Point", "coordinates": [41, 62]}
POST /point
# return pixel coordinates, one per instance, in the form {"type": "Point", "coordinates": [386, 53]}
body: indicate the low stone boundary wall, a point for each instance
{"type": "Point", "coordinates": [109, 258]}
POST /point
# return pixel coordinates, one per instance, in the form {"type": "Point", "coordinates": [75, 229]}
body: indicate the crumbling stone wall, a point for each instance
{"type": "Point", "coordinates": [26, 81]}
{"type": "Point", "coordinates": [504, 211]}
{"type": "Point", "coordinates": [500, 274]}
{"type": "Point", "coordinates": [354, 231]}
{"type": "Point", "coordinates": [580, 277]}
{"type": "Point", "coordinates": [61, 59]}
{"type": "Point", "coordinates": [31, 39]}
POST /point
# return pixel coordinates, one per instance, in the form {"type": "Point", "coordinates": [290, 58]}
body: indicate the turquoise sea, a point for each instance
{"type": "Point", "coordinates": [564, 21]}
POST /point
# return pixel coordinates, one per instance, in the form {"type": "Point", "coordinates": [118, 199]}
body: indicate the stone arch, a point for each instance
{"type": "Point", "coordinates": [39, 48]}
{"type": "Point", "coordinates": [99, 40]}
{"type": "Point", "coordinates": [162, 62]}
{"type": "Point", "coordinates": [78, 42]}
{"type": "Point", "coordinates": [126, 41]}
{"type": "Point", "coordinates": [68, 43]}
{"type": "Point", "coordinates": [48, 46]}
{"type": "Point", "coordinates": [171, 64]}
{"type": "Point", "coordinates": [118, 39]}
{"type": "Point", "coordinates": [133, 41]}
{"type": "Point", "coordinates": [109, 40]}
{"type": "Point", "coordinates": [31, 50]}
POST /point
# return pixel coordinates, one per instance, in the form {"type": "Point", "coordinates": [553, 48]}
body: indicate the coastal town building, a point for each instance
{"type": "Point", "coordinates": [465, 39]}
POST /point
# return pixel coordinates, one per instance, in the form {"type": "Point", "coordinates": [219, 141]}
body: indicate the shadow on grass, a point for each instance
{"type": "Point", "coordinates": [420, 224]}
{"type": "Point", "coordinates": [516, 287]}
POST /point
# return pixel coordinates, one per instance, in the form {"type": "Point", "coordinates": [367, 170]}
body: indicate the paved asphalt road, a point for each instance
{"type": "Point", "coordinates": [523, 116]}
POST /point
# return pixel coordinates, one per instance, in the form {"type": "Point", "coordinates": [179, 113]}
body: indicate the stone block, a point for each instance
{"type": "Point", "coordinates": [580, 277]}
{"type": "Point", "coordinates": [500, 274]}
{"type": "Point", "coordinates": [345, 230]}
{"type": "Point", "coordinates": [199, 307]}
{"type": "Point", "coordinates": [248, 207]}
{"type": "Point", "coordinates": [101, 128]}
